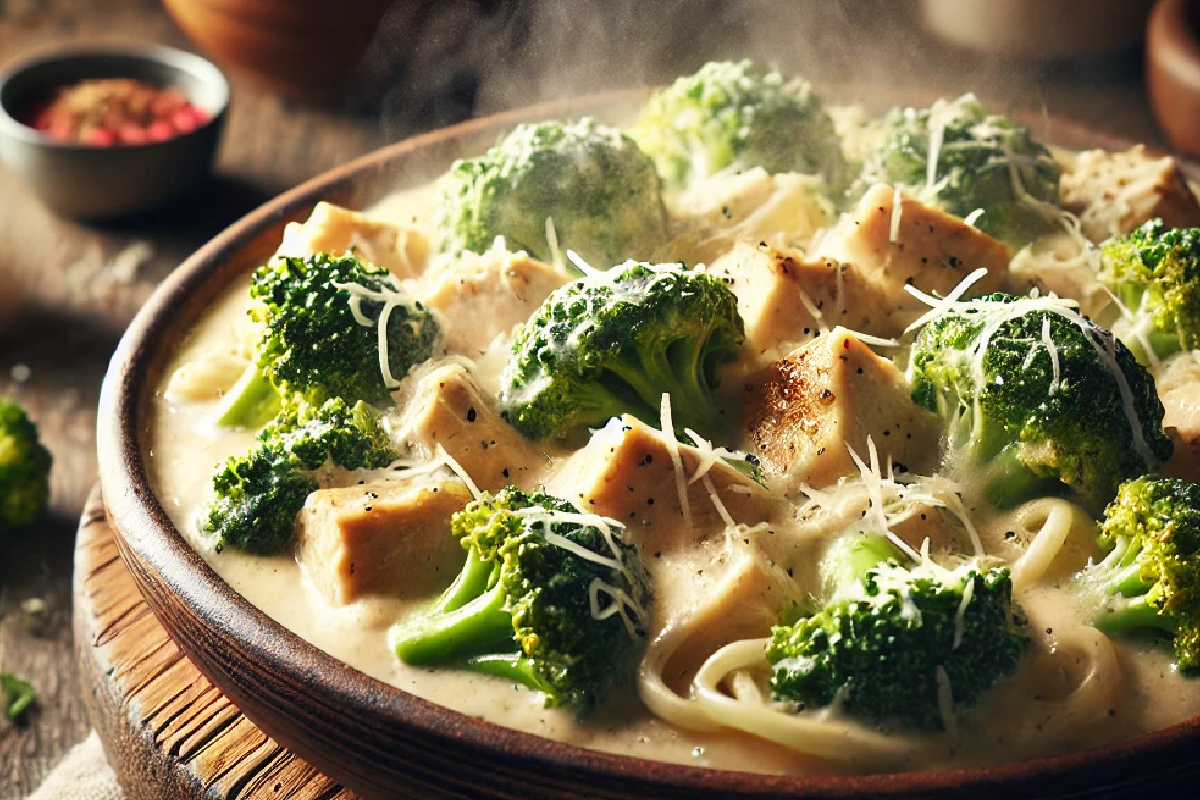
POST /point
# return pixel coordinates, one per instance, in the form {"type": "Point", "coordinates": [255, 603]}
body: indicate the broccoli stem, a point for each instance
{"type": "Point", "coordinates": [676, 368]}
{"type": "Point", "coordinates": [250, 403]}
{"type": "Point", "coordinates": [852, 557]}
{"type": "Point", "coordinates": [513, 666]}
{"type": "Point", "coordinates": [477, 628]}
{"type": "Point", "coordinates": [1131, 616]}
{"type": "Point", "coordinates": [1011, 482]}
{"type": "Point", "coordinates": [472, 581]}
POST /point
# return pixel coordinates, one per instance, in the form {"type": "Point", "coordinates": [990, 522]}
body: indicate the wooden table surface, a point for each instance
{"type": "Point", "coordinates": [84, 283]}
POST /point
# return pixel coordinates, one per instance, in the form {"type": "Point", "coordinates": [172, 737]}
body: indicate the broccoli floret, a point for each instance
{"type": "Point", "coordinates": [981, 158]}
{"type": "Point", "coordinates": [736, 115]}
{"type": "Point", "coordinates": [1149, 584]}
{"type": "Point", "coordinates": [17, 696]}
{"type": "Point", "coordinates": [590, 183]}
{"type": "Point", "coordinates": [544, 599]}
{"type": "Point", "coordinates": [320, 318]}
{"type": "Point", "coordinates": [24, 469]}
{"type": "Point", "coordinates": [1043, 400]}
{"type": "Point", "coordinates": [613, 343]}
{"type": "Point", "coordinates": [257, 496]}
{"type": "Point", "coordinates": [1155, 271]}
{"type": "Point", "coordinates": [888, 631]}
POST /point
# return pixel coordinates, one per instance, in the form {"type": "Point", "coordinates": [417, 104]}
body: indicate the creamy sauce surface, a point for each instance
{"type": "Point", "coordinates": [1020, 719]}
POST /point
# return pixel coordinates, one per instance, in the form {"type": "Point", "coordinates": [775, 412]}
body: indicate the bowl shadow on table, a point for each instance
{"type": "Point", "coordinates": [197, 217]}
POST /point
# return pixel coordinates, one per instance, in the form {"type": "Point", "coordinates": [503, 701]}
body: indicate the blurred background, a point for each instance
{"type": "Point", "coordinates": [316, 83]}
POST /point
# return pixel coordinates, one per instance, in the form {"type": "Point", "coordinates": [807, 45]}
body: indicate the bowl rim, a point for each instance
{"type": "Point", "coordinates": [172, 57]}
{"type": "Point", "coordinates": [167, 568]}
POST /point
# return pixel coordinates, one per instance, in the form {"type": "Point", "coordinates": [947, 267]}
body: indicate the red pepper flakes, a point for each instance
{"type": "Point", "coordinates": [115, 111]}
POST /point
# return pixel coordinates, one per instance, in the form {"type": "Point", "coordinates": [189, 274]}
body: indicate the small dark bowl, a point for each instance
{"type": "Point", "coordinates": [90, 182]}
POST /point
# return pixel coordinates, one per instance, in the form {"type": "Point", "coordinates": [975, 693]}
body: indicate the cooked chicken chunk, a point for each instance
{"type": "Point", "coordinates": [1179, 390]}
{"type": "Point", "coordinates": [446, 407]}
{"type": "Point", "coordinates": [625, 472]}
{"type": "Point", "coordinates": [382, 538]}
{"type": "Point", "coordinates": [750, 207]}
{"type": "Point", "coordinates": [336, 230]}
{"type": "Point", "coordinates": [780, 294]}
{"type": "Point", "coordinates": [931, 250]}
{"type": "Point", "coordinates": [1113, 193]}
{"type": "Point", "coordinates": [805, 410]}
{"type": "Point", "coordinates": [481, 296]}
{"type": "Point", "coordinates": [738, 596]}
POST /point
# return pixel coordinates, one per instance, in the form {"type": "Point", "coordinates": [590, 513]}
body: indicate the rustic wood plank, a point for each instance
{"type": "Point", "coordinates": [168, 732]}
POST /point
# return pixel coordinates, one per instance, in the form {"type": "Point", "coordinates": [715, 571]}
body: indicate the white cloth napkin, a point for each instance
{"type": "Point", "coordinates": [83, 774]}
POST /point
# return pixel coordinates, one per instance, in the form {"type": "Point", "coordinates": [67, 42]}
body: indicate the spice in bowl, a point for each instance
{"type": "Point", "coordinates": [115, 111]}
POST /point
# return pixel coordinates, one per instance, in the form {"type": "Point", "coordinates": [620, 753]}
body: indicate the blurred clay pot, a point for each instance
{"type": "Point", "coordinates": [1039, 29]}
{"type": "Point", "coordinates": [1173, 71]}
{"type": "Point", "coordinates": [300, 49]}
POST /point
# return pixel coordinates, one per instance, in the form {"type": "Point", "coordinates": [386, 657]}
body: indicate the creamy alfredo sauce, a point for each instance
{"type": "Point", "coordinates": [1024, 717]}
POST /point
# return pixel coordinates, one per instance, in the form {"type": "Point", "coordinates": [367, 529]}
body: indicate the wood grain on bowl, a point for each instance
{"type": "Point", "coordinates": [383, 742]}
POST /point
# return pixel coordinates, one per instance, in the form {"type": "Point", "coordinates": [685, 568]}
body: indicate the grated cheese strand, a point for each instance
{"type": "Point", "coordinates": [1053, 351]}
{"type": "Point", "coordinates": [668, 432]}
{"type": "Point", "coordinates": [897, 210]}
{"type": "Point", "coordinates": [961, 615]}
{"type": "Point", "coordinates": [440, 453]}
{"type": "Point", "coordinates": [945, 697]}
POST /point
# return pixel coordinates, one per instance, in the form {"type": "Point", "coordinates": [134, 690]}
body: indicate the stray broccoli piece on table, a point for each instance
{"type": "Point", "coordinates": [1155, 271]}
{"type": "Point", "coordinates": [1043, 399]}
{"type": "Point", "coordinates": [1149, 584]}
{"type": "Point", "coordinates": [979, 161]}
{"type": "Point", "coordinates": [735, 115]}
{"type": "Point", "coordinates": [16, 695]}
{"type": "Point", "coordinates": [898, 643]}
{"type": "Point", "coordinates": [588, 183]}
{"type": "Point", "coordinates": [614, 343]}
{"type": "Point", "coordinates": [24, 469]}
{"type": "Point", "coordinates": [321, 317]}
{"type": "Point", "coordinates": [257, 496]}
{"type": "Point", "coordinates": [548, 597]}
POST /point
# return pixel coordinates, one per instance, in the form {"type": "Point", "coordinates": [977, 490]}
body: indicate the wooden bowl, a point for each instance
{"type": "Point", "coordinates": [1173, 71]}
{"type": "Point", "coordinates": [300, 49]}
{"type": "Point", "coordinates": [380, 741]}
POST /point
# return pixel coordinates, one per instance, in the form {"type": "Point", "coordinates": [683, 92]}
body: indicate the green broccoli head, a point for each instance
{"type": "Point", "coordinates": [1042, 399]}
{"type": "Point", "coordinates": [736, 115]}
{"type": "Point", "coordinates": [257, 496]}
{"type": "Point", "coordinates": [548, 598]}
{"type": "Point", "coordinates": [591, 183]}
{"type": "Point", "coordinates": [614, 343]}
{"type": "Point", "coordinates": [983, 161]}
{"type": "Point", "coordinates": [24, 469]}
{"type": "Point", "coordinates": [320, 317]}
{"type": "Point", "coordinates": [1149, 584]}
{"type": "Point", "coordinates": [892, 638]}
{"type": "Point", "coordinates": [1155, 271]}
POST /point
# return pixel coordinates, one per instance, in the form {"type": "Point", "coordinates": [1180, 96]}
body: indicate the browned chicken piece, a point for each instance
{"type": "Point", "coordinates": [931, 250]}
{"type": "Point", "coordinates": [778, 292]}
{"type": "Point", "coordinates": [625, 472]}
{"type": "Point", "coordinates": [336, 230]}
{"type": "Point", "coordinates": [1179, 389]}
{"type": "Point", "coordinates": [448, 408]}
{"type": "Point", "coordinates": [1113, 193]}
{"type": "Point", "coordinates": [382, 538]}
{"type": "Point", "coordinates": [804, 410]}
{"type": "Point", "coordinates": [481, 296]}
